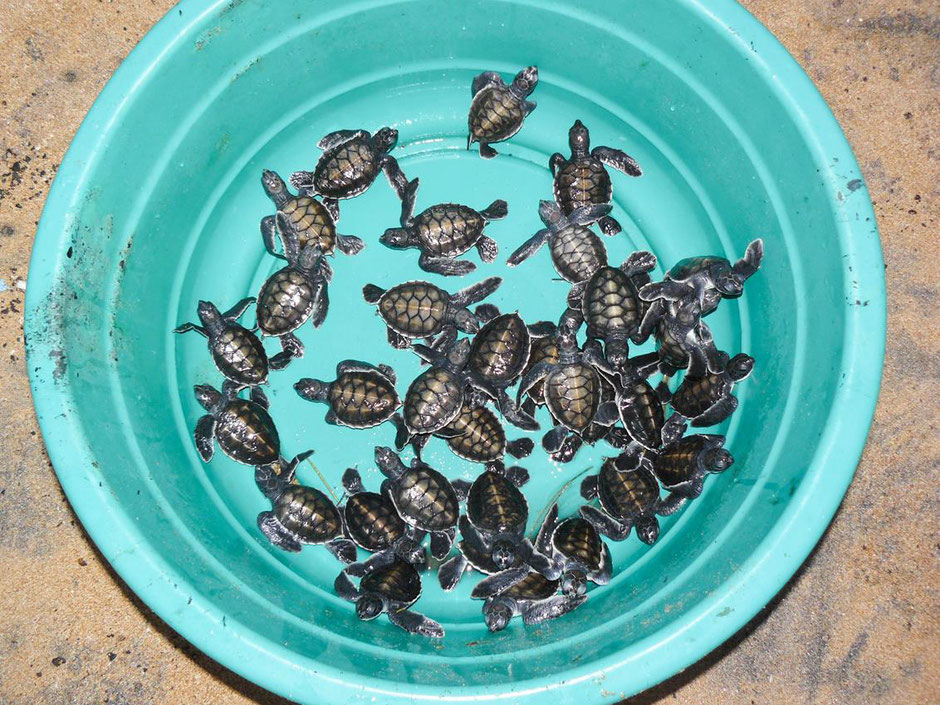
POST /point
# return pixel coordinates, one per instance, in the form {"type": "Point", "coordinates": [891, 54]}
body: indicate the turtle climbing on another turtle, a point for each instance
{"type": "Point", "coordinates": [392, 589]}
{"type": "Point", "coordinates": [236, 351]}
{"type": "Point", "coordinates": [244, 429]}
{"type": "Point", "coordinates": [535, 598]}
{"type": "Point", "coordinates": [418, 309]}
{"type": "Point", "coordinates": [274, 477]}
{"type": "Point", "coordinates": [498, 111]}
{"type": "Point", "coordinates": [681, 466]}
{"type": "Point", "coordinates": [443, 232]}
{"type": "Point", "coordinates": [582, 179]}
{"type": "Point", "coordinates": [362, 395]}
{"type": "Point", "coordinates": [350, 163]}
{"type": "Point", "coordinates": [304, 515]}
{"type": "Point", "coordinates": [707, 400]}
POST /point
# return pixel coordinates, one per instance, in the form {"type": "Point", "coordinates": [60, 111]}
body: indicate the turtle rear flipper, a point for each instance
{"type": "Point", "coordinates": [344, 587]}
{"type": "Point", "coordinates": [488, 249]}
{"type": "Point", "coordinates": [486, 151]}
{"type": "Point", "coordinates": [497, 210]}
{"type": "Point", "coordinates": [343, 549]}
{"type": "Point", "coordinates": [441, 542]}
{"type": "Point", "coordinates": [450, 571]}
{"type": "Point", "coordinates": [204, 436]}
{"type": "Point", "coordinates": [276, 533]}
{"type": "Point", "coordinates": [352, 481]}
{"type": "Point", "coordinates": [349, 244]}
{"type": "Point", "coordinates": [609, 226]}
{"type": "Point", "coordinates": [414, 622]}
{"type": "Point", "coordinates": [396, 339]}
{"type": "Point", "coordinates": [521, 447]}
{"type": "Point", "coordinates": [529, 247]}
{"type": "Point", "coordinates": [445, 266]}
{"type": "Point", "coordinates": [588, 487]}
{"type": "Point", "coordinates": [372, 293]}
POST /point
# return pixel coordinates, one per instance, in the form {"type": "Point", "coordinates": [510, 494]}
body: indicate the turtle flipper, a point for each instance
{"type": "Point", "coordinates": [461, 487]}
{"type": "Point", "coordinates": [476, 292]}
{"type": "Point", "coordinates": [204, 436]}
{"type": "Point", "coordinates": [528, 106]}
{"type": "Point", "coordinates": [553, 440]}
{"type": "Point", "coordinates": [445, 266]}
{"type": "Point", "coordinates": [269, 235]}
{"type": "Point", "coordinates": [499, 582]}
{"type": "Point", "coordinates": [321, 302]}
{"type": "Point", "coordinates": [372, 293]}
{"type": "Point", "coordinates": [668, 290]}
{"type": "Point", "coordinates": [640, 262]}
{"type": "Point", "coordinates": [585, 215]}
{"type": "Point", "coordinates": [333, 139]}
{"type": "Point", "coordinates": [717, 413]}
{"type": "Point", "coordinates": [556, 162]}
{"type": "Point", "coordinates": [441, 542]}
{"type": "Point", "coordinates": [291, 347]}
{"type": "Point", "coordinates": [569, 448]}
{"type": "Point", "coordinates": [408, 199]}
{"type": "Point", "coordinates": [352, 481]}
{"type": "Point", "coordinates": [588, 487]}
{"type": "Point", "coordinates": [396, 177]}
{"type": "Point", "coordinates": [451, 570]}
{"type": "Point", "coordinates": [414, 622]}
{"type": "Point", "coordinates": [529, 247]}
{"type": "Point", "coordinates": [349, 244]}
{"type": "Point", "coordinates": [609, 226]}
{"type": "Point", "coordinates": [276, 533]}
{"type": "Point", "coordinates": [344, 587]}
{"type": "Point", "coordinates": [186, 327]}
{"type": "Point", "coordinates": [751, 261]}
{"type": "Point", "coordinates": [238, 310]}
{"type": "Point", "coordinates": [521, 447]}
{"type": "Point", "coordinates": [397, 340]}
{"type": "Point", "coordinates": [497, 210]}
{"type": "Point", "coordinates": [606, 525]}
{"type": "Point", "coordinates": [488, 249]}
{"type": "Point", "coordinates": [303, 180]}
{"type": "Point", "coordinates": [259, 397]}
{"type": "Point", "coordinates": [343, 549]}
{"type": "Point", "coordinates": [513, 414]}
{"type": "Point", "coordinates": [617, 159]}
{"type": "Point", "coordinates": [487, 78]}
{"type": "Point", "coordinates": [550, 608]}
{"type": "Point", "coordinates": [670, 504]}
{"type": "Point", "coordinates": [486, 151]}
{"type": "Point", "coordinates": [607, 414]}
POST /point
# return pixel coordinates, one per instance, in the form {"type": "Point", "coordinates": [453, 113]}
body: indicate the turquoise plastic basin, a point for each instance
{"type": "Point", "coordinates": [157, 205]}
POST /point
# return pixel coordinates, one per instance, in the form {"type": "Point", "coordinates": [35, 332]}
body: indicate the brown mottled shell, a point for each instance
{"type": "Point", "coordinates": [626, 494]}
{"type": "Point", "coordinates": [285, 302]}
{"type": "Point", "coordinates": [240, 356]}
{"type": "Point", "coordinates": [544, 348]}
{"type": "Point", "coordinates": [414, 309]}
{"type": "Point", "coordinates": [611, 304]}
{"type": "Point", "coordinates": [495, 114]}
{"type": "Point", "coordinates": [448, 229]}
{"type": "Point", "coordinates": [425, 499]}
{"type": "Point", "coordinates": [690, 266]}
{"type": "Point", "coordinates": [398, 581]}
{"type": "Point", "coordinates": [476, 435]}
{"type": "Point", "coordinates": [347, 169]}
{"type": "Point", "coordinates": [312, 222]}
{"type": "Point", "coordinates": [246, 433]}
{"type": "Point", "coordinates": [495, 505]}
{"type": "Point", "coordinates": [501, 349]}
{"type": "Point", "coordinates": [363, 399]}
{"type": "Point", "coordinates": [572, 393]}
{"type": "Point", "coordinates": [309, 514]}
{"type": "Point", "coordinates": [577, 540]}
{"type": "Point", "coordinates": [433, 400]}
{"type": "Point", "coordinates": [680, 461]}
{"type": "Point", "coordinates": [696, 395]}
{"type": "Point", "coordinates": [533, 586]}
{"type": "Point", "coordinates": [642, 414]}
{"type": "Point", "coordinates": [577, 252]}
{"type": "Point", "coordinates": [582, 182]}
{"type": "Point", "coordinates": [372, 521]}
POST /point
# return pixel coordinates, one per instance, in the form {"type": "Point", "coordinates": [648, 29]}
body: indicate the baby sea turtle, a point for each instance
{"type": "Point", "coordinates": [305, 215]}
{"type": "Point", "coordinates": [707, 400]}
{"type": "Point", "coordinates": [392, 589]}
{"type": "Point", "coordinates": [236, 351]}
{"type": "Point", "coordinates": [576, 251]}
{"type": "Point", "coordinates": [582, 180]}
{"type": "Point", "coordinates": [418, 309]}
{"type": "Point", "coordinates": [629, 497]}
{"type": "Point", "coordinates": [292, 295]}
{"type": "Point", "coordinates": [477, 435]}
{"type": "Point", "coordinates": [498, 111]}
{"type": "Point", "coordinates": [363, 395]}
{"type": "Point", "coordinates": [535, 598]}
{"type": "Point", "coordinates": [578, 553]}
{"type": "Point", "coordinates": [350, 163]}
{"type": "Point", "coordinates": [444, 232]}
{"type": "Point", "coordinates": [273, 478]}
{"type": "Point", "coordinates": [683, 339]}
{"type": "Point", "coordinates": [424, 498]}
{"type": "Point", "coordinates": [243, 428]}
{"type": "Point", "coordinates": [304, 515]}
{"type": "Point", "coordinates": [681, 466]}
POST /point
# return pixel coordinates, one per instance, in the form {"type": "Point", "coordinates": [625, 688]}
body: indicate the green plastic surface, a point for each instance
{"type": "Point", "coordinates": [157, 205]}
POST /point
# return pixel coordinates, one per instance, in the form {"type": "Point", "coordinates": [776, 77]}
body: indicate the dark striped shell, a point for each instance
{"type": "Point", "coordinates": [577, 252]}
{"type": "Point", "coordinates": [533, 586]}
{"type": "Point", "coordinates": [626, 494]}
{"type": "Point", "coordinates": [312, 222]}
{"type": "Point", "coordinates": [425, 499]}
{"type": "Point", "coordinates": [690, 266]}
{"type": "Point", "coordinates": [246, 433]}
{"type": "Point", "coordinates": [433, 400]}
{"type": "Point", "coordinates": [372, 521]}
{"type": "Point", "coordinates": [285, 302]}
{"type": "Point", "coordinates": [362, 399]}
{"type": "Point", "coordinates": [495, 114]}
{"type": "Point", "coordinates": [495, 505]}
{"type": "Point", "coordinates": [582, 182]}
{"type": "Point", "coordinates": [572, 393]}
{"type": "Point", "coordinates": [544, 348]}
{"type": "Point", "coordinates": [696, 395]}
{"type": "Point", "coordinates": [680, 461]}
{"type": "Point", "coordinates": [398, 582]}
{"type": "Point", "coordinates": [642, 413]}
{"type": "Point", "coordinates": [308, 514]}
{"type": "Point", "coordinates": [501, 349]}
{"type": "Point", "coordinates": [476, 435]}
{"type": "Point", "coordinates": [448, 229]}
{"type": "Point", "coordinates": [414, 309]}
{"type": "Point", "coordinates": [240, 356]}
{"type": "Point", "coordinates": [578, 541]}
{"type": "Point", "coordinates": [347, 169]}
{"type": "Point", "coordinates": [611, 304]}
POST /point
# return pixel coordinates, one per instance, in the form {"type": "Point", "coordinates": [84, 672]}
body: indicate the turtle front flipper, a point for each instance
{"type": "Point", "coordinates": [514, 414]}
{"type": "Point", "coordinates": [497, 210]}
{"type": "Point", "coordinates": [521, 447]}
{"type": "Point", "coordinates": [556, 162]}
{"type": "Point", "coordinates": [751, 261]}
{"type": "Point", "coordinates": [321, 301]}
{"type": "Point", "coordinates": [396, 339]}
{"type": "Point", "coordinates": [487, 78]}
{"type": "Point", "coordinates": [609, 226]}
{"type": "Point", "coordinates": [269, 236]}
{"type": "Point", "coordinates": [445, 266]}
{"type": "Point", "coordinates": [204, 436]}
{"type": "Point", "coordinates": [291, 347]}
{"type": "Point", "coordinates": [499, 582]}
{"type": "Point", "coordinates": [550, 608]}
{"type": "Point", "coordinates": [475, 292]}
{"type": "Point", "coordinates": [396, 177]}
{"type": "Point", "coordinates": [343, 549]}
{"type": "Point", "coordinates": [238, 310]}
{"type": "Point", "coordinates": [617, 159]}
{"type": "Point", "coordinates": [605, 524]}
{"type": "Point", "coordinates": [553, 440]}
{"type": "Point", "coordinates": [451, 570]}
{"type": "Point", "coordinates": [718, 412]}
{"type": "Point", "coordinates": [186, 327]}
{"type": "Point", "coordinates": [276, 533]}
{"type": "Point", "coordinates": [529, 247]}
{"type": "Point", "coordinates": [414, 622]}
{"type": "Point", "coordinates": [349, 244]}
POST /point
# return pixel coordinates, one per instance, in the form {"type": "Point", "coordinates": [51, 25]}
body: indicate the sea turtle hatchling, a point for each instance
{"type": "Point", "coordinates": [350, 163]}
{"type": "Point", "coordinates": [304, 515]}
{"type": "Point", "coordinates": [243, 428]}
{"type": "Point", "coordinates": [362, 395]}
{"type": "Point", "coordinates": [498, 111]}
{"type": "Point", "coordinates": [309, 218]}
{"type": "Point", "coordinates": [535, 598]}
{"type": "Point", "coordinates": [236, 351]}
{"type": "Point", "coordinates": [707, 400]}
{"type": "Point", "coordinates": [576, 251]}
{"type": "Point", "coordinates": [681, 466]}
{"type": "Point", "coordinates": [418, 309]}
{"type": "Point", "coordinates": [424, 498]}
{"type": "Point", "coordinates": [477, 435]}
{"type": "Point", "coordinates": [629, 497]}
{"type": "Point", "coordinates": [392, 589]}
{"type": "Point", "coordinates": [443, 232]}
{"type": "Point", "coordinates": [582, 179]}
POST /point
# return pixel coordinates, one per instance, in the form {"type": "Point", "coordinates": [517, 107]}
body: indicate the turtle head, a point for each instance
{"type": "Point", "coordinates": [312, 389]}
{"type": "Point", "coordinates": [647, 530]}
{"type": "Point", "coordinates": [466, 321]}
{"type": "Point", "coordinates": [497, 614]}
{"type": "Point", "coordinates": [459, 352]}
{"type": "Point", "coordinates": [729, 283]}
{"type": "Point", "coordinates": [578, 139]}
{"type": "Point", "coordinates": [551, 214]}
{"type": "Point", "coordinates": [526, 80]}
{"type": "Point", "coordinates": [208, 313]}
{"type": "Point", "coordinates": [567, 336]}
{"type": "Point", "coordinates": [717, 460]}
{"type": "Point", "coordinates": [740, 366]}
{"type": "Point", "coordinates": [273, 185]}
{"type": "Point", "coordinates": [309, 258]}
{"type": "Point", "coordinates": [207, 396]}
{"type": "Point", "coordinates": [388, 461]}
{"type": "Point", "coordinates": [396, 238]}
{"type": "Point", "coordinates": [385, 139]}
{"type": "Point", "coordinates": [617, 352]}
{"type": "Point", "coordinates": [368, 607]}
{"type": "Point", "coordinates": [503, 554]}
{"type": "Point", "coordinates": [411, 551]}
{"type": "Point", "coordinates": [574, 583]}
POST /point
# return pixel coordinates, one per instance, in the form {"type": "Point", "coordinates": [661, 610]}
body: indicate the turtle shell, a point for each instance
{"type": "Point", "coordinates": [240, 356]}
{"type": "Point", "coordinates": [544, 348]}
{"type": "Point", "coordinates": [246, 433]}
{"type": "Point", "coordinates": [671, 350]}
{"type": "Point", "coordinates": [691, 266]}
{"type": "Point", "coordinates": [501, 349]}
{"type": "Point", "coordinates": [448, 229]}
{"type": "Point", "coordinates": [577, 252]}
{"type": "Point", "coordinates": [533, 586]}
{"type": "Point", "coordinates": [495, 114]}
{"type": "Point", "coordinates": [582, 182]}
{"type": "Point", "coordinates": [476, 435]}
{"type": "Point", "coordinates": [642, 413]}
{"type": "Point", "coordinates": [572, 393]}
{"type": "Point", "coordinates": [495, 505]}
{"type": "Point", "coordinates": [433, 400]}
{"type": "Point", "coordinates": [425, 499]}
{"type": "Point", "coordinates": [312, 222]}
{"type": "Point", "coordinates": [611, 304]}
{"type": "Point", "coordinates": [285, 302]}
{"type": "Point", "coordinates": [626, 494]}
{"type": "Point", "coordinates": [308, 514]}
{"type": "Point", "coordinates": [372, 521]}
{"type": "Point", "coordinates": [347, 169]}
{"type": "Point", "coordinates": [578, 541]}
{"type": "Point", "coordinates": [696, 395]}
{"type": "Point", "coordinates": [362, 399]}
{"type": "Point", "coordinates": [398, 582]}
{"type": "Point", "coordinates": [680, 462]}
{"type": "Point", "coordinates": [414, 309]}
